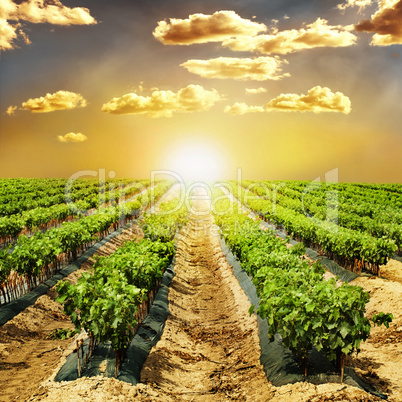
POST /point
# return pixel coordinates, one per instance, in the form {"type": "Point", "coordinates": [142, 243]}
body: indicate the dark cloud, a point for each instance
{"type": "Point", "coordinates": [386, 23]}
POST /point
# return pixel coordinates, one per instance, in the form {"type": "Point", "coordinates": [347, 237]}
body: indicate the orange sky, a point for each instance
{"type": "Point", "coordinates": [279, 89]}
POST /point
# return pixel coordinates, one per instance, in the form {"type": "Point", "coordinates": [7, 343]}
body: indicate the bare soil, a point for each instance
{"type": "Point", "coordinates": [209, 350]}
{"type": "Point", "coordinates": [380, 359]}
{"type": "Point", "coordinates": [210, 345]}
{"type": "Point", "coordinates": [392, 271]}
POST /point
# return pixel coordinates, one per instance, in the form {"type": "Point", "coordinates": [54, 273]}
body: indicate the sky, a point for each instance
{"type": "Point", "coordinates": [262, 89]}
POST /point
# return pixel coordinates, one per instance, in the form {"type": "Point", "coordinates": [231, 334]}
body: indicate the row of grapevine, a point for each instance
{"type": "Point", "coordinates": [376, 195]}
{"type": "Point", "coordinates": [375, 213]}
{"type": "Point", "coordinates": [35, 259]}
{"type": "Point", "coordinates": [109, 303]}
{"type": "Point", "coordinates": [19, 195]}
{"type": "Point", "coordinates": [297, 302]}
{"type": "Point", "coordinates": [47, 217]}
{"type": "Point", "coordinates": [351, 249]}
{"type": "Point", "coordinates": [349, 198]}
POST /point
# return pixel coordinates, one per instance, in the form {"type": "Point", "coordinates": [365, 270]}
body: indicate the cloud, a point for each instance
{"type": "Point", "coordinates": [7, 7]}
{"type": "Point", "coordinates": [52, 12]}
{"type": "Point", "coordinates": [61, 100]}
{"type": "Point", "coordinates": [201, 28]}
{"type": "Point", "coordinates": [317, 34]}
{"type": "Point", "coordinates": [8, 33]}
{"type": "Point", "coordinates": [11, 110]}
{"type": "Point", "coordinates": [317, 100]}
{"type": "Point", "coordinates": [37, 11]}
{"type": "Point", "coordinates": [240, 108]}
{"type": "Point", "coordinates": [72, 137]}
{"type": "Point", "coordinates": [355, 3]}
{"type": "Point", "coordinates": [252, 91]}
{"type": "Point", "coordinates": [258, 69]}
{"type": "Point", "coordinates": [386, 22]}
{"type": "Point", "coordinates": [192, 98]}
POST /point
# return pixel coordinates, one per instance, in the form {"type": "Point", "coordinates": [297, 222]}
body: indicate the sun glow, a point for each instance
{"type": "Point", "coordinates": [196, 162]}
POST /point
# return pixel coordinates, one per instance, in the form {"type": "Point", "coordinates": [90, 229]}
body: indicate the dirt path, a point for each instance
{"type": "Point", "coordinates": [210, 346]}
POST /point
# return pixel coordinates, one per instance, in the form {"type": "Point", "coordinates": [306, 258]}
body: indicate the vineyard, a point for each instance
{"type": "Point", "coordinates": [56, 238]}
{"type": "Point", "coordinates": [259, 321]}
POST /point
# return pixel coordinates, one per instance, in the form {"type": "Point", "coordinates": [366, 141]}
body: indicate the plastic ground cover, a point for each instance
{"type": "Point", "coordinates": [343, 274]}
{"type": "Point", "coordinates": [10, 310]}
{"type": "Point", "coordinates": [147, 336]}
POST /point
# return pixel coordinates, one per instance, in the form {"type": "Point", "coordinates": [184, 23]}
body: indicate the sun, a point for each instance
{"type": "Point", "coordinates": [196, 162]}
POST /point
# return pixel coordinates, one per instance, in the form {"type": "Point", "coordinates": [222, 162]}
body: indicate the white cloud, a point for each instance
{"type": "Point", "coordinates": [317, 34]}
{"type": "Point", "coordinates": [40, 11]}
{"type": "Point", "coordinates": [192, 98]}
{"type": "Point", "coordinates": [8, 33]}
{"type": "Point", "coordinates": [11, 110]}
{"type": "Point", "coordinates": [355, 3]}
{"type": "Point", "coordinates": [201, 28]}
{"type": "Point", "coordinates": [72, 137]}
{"type": "Point", "coordinates": [60, 100]}
{"type": "Point", "coordinates": [318, 99]}
{"type": "Point", "coordinates": [36, 11]}
{"type": "Point", "coordinates": [258, 69]}
{"type": "Point", "coordinates": [240, 108]}
{"type": "Point", "coordinates": [252, 91]}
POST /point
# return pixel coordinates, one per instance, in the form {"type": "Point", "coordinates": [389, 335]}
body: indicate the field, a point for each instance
{"type": "Point", "coordinates": [227, 288]}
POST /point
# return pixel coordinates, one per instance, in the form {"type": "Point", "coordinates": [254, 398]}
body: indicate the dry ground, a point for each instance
{"type": "Point", "coordinates": [209, 350]}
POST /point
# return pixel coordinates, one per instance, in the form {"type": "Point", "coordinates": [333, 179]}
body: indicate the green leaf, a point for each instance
{"type": "Point", "coordinates": [347, 349]}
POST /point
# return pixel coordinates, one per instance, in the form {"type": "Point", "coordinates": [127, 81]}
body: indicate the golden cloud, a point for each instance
{"type": "Point", "coordinates": [258, 69]}
{"type": "Point", "coordinates": [355, 3]}
{"type": "Point", "coordinates": [8, 33]}
{"type": "Point", "coordinates": [201, 28]}
{"type": "Point", "coordinates": [72, 137]}
{"type": "Point", "coordinates": [54, 12]}
{"type": "Point", "coordinates": [192, 98]}
{"type": "Point", "coordinates": [252, 91]}
{"type": "Point", "coordinates": [11, 110]}
{"type": "Point", "coordinates": [240, 108]}
{"type": "Point", "coordinates": [386, 22]}
{"type": "Point", "coordinates": [37, 11]}
{"type": "Point", "coordinates": [319, 99]}
{"type": "Point", "coordinates": [7, 7]}
{"type": "Point", "coordinates": [317, 34]}
{"type": "Point", "coordinates": [61, 100]}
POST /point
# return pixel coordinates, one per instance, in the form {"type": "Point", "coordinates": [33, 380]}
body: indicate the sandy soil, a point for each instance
{"type": "Point", "coordinates": [210, 347]}
{"type": "Point", "coordinates": [209, 350]}
{"type": "Point", "coordinates": [100, 389]}
{"type": "Point", "coordinates": [380, 359]}
{"type": "Point", "coordinates": [392, 271]}
{"type": "Point", "coordinates": [27, 357]}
